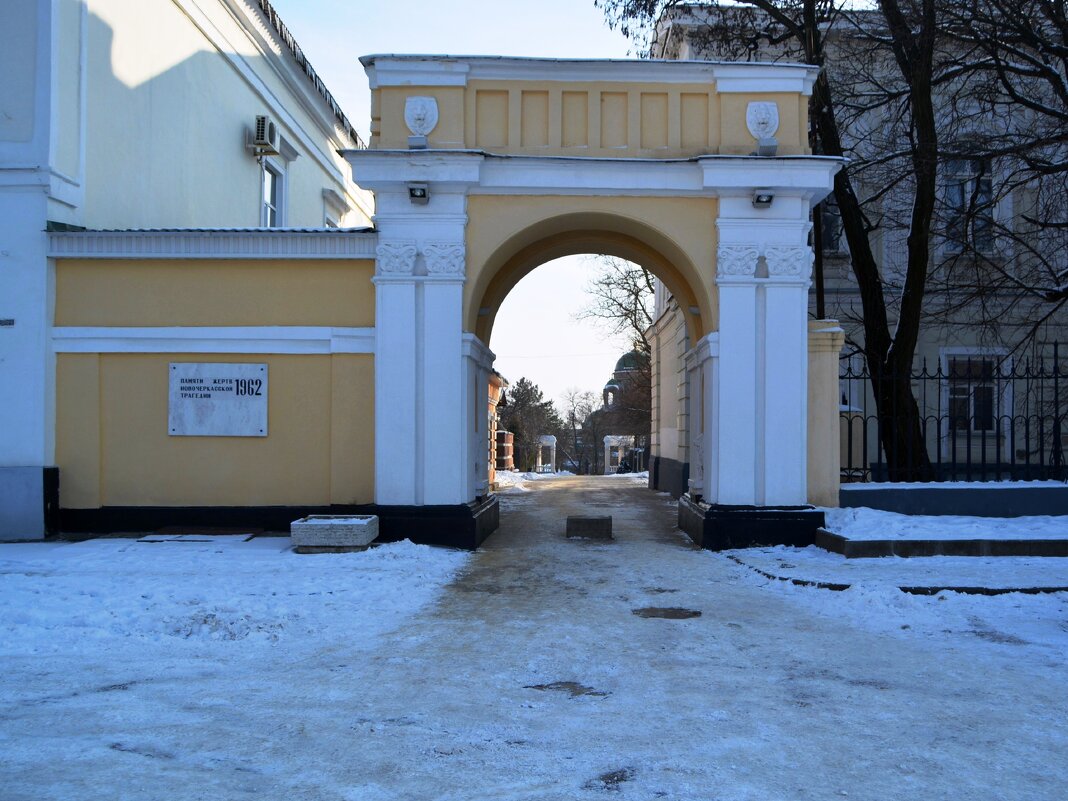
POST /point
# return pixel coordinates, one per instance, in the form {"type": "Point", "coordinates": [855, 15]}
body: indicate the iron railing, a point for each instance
{"type": "Point", "coordinates": [982, 416]}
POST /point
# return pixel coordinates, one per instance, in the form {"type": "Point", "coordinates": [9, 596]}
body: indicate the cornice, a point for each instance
{"type": "Point", "coordinates": [301, 340]}
{"type": "Point", "coordinates": [253, 243]}
{"type": "Point", "coordinates": [728, 77]}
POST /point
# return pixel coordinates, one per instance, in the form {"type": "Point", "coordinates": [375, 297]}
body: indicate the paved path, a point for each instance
{"type": "Point", "coordinates": [755, 699]}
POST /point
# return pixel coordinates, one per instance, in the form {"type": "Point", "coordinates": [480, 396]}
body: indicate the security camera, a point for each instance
{"type": "Point", "coordinates": [762, 198]}
{"type": "Point", "coordinates": [419, 194]}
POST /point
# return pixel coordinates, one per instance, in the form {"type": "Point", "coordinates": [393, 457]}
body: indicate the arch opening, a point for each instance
{"type": "Point", "coordinates": [588, 233]}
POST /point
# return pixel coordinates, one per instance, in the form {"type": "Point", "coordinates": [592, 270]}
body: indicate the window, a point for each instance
{"type": "Point", "coordinates": [970, 202]}
{"type": "Point", "coordinates": [972, 393]}
{"type": "Point", "coordinates": [273, 183]}
{"type": "Point", "coordinates": [334, 209]}
{"type": "Point", "coordinates": [976, 395]}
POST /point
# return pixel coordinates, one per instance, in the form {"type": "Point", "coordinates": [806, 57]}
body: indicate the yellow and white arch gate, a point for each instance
{"type": "Point", "coordinates": [483, 168]}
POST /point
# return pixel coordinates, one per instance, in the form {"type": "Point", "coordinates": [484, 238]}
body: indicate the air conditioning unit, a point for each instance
{"type": "Point", "coordinates": [263, 138]}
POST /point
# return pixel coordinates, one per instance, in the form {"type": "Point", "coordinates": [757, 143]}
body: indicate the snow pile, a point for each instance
{"type": "Point", "coordinates": [637, 478]}
{"type": "Point", "coordinates": [861, 523]}
{"type": "Point", "coordinates": [513, 479]}
{"type": "Point", "coordinates": [104, 593]}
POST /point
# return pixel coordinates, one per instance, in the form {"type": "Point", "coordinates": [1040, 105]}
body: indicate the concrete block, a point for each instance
{"type": "Point", "coordinates": [593, 527]}
{"type": "Point", "coordinates": [333, 533]}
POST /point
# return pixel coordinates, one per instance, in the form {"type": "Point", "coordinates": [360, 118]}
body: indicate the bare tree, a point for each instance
{"type": "Point", "coordinates": [578, 407]}
{"type": "Point", "coordinates": [880, 113]}
{"type": "Point", "coordinates": [1014, 65]}
{"type": "Point", "coordinates": [621, 296]}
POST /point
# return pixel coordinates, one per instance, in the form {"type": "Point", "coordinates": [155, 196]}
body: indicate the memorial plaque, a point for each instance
{"type": "Point", "coordinates": [217, 400]}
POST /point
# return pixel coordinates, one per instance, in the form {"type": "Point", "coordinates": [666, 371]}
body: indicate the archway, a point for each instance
{"type": "Point", "coordinates": [484, 168]}
{"type": "Point", "coordinates": [657, 427]}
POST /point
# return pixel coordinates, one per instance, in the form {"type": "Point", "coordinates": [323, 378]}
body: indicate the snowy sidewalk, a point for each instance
{"type": "Point", "coordinates": [527, 675]}
{"type": "Point", "coordinates": [859, 532]}
{"type": "Point", "coordinates": [926, 575]}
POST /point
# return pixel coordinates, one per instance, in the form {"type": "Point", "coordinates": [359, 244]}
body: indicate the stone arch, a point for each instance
{"type": "Point", "coordinates": [580, 233]}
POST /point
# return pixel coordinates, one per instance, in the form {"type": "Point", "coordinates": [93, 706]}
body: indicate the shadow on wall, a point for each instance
{"type": "Point", "coordinates": [165, 138]}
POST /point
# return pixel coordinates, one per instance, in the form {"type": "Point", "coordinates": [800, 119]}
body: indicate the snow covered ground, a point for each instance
{"type": "Point", "coordinates": [995, 572]}
{"type": "Point", "coordinates": [69, 598]}
{"type": "Point", "coordinates": [861, 523]}
{"type": "Point", "coordinates": [228, 670]}
{"type": "Point", "coordinates": [513, 480]}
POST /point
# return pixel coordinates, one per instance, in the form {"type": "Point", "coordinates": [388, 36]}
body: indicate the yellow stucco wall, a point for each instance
{"type": "Point", "coordinates": [113, 448]}
{"type": "Point", "coordinates": [605, 119]}
{"type": "Point", "coordinates": [167, 292]}
{"type": "Point", "coordinates": [507, 237]}
{"type": "Point", "coordinates": [825, 340]}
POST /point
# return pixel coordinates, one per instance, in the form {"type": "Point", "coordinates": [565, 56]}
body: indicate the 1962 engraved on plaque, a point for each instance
{"type": "Point", "coordinates": [217, 400]}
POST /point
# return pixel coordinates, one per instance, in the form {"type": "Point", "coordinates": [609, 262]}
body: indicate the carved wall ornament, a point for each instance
{"type": "Point", "coordinates": [795, 261]}
{"type": "Point", "coordinates": [737, 260]}
{"type": "Point", "coordinates": [762, 119]}
{"type": "Point", "coordinates": [420, 115]}
{"type": "Point", "coordinates": [396, 258]}
{"type": "Point", "coordinates": [444, 258]}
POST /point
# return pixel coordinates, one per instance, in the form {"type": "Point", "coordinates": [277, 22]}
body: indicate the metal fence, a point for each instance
{"type": "Point", "coordinates": [982, 417]}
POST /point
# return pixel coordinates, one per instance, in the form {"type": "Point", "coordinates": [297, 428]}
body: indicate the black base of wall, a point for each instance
{"type": "Point", "coordinates": [719, 528]}
{"type": "Point", "coordinates": [868, 549]}
{"type": "Point", "coordinates": [978, 501]}
{"type": "Point", "coordinates": [459, 526]}
{"type": "Point", "coordinates": [669, 475]}
{"type": "Point", "coordinates": [51, 500]}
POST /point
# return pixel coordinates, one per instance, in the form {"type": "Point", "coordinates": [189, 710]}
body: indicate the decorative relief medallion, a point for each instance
{"type": "Point", "coordinates": [396, 258]}
{"type": "Point", "coordinates": [444, 258]}
{"type": "Point", "coordinates": [420, 115]}
{"type": "Point", "coordinates": [789, 261]}
{"type": "Point", "coordinates": [737, 260]}
{"type": "Point", "coordinates": [762, 120]}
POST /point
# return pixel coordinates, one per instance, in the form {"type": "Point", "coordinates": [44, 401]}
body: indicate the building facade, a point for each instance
{"type": "Point", "coordinates": [123, 115]}
{"type": "Point", "coordinates": [183, 361]}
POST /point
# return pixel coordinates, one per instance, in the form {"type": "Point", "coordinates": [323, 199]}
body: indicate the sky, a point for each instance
{"type": "Point", "coordinates": [536, 334]}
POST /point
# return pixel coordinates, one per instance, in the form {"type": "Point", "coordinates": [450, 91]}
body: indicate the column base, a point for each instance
{"type": "Point", "coordinates": [669, 475]}
{"type": "Point", "coordinates": [719, 528]}
{"type": "Point", "coordinates": [464, 525]}
{"type": "Point", "coordinates": [29, 501]}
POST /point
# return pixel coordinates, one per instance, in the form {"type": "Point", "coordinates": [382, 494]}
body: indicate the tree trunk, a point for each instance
{"type": "Point", "coordinates": [900, 427]}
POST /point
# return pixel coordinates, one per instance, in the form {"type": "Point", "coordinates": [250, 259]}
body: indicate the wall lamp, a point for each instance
{"type": "Point", "coordinates": [419, 194]}
{"type": "Point", "coordinates": [762, 198]}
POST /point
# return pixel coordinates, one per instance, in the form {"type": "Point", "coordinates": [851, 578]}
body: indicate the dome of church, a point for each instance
{"type": "Point", "coordinates": [631, 361]}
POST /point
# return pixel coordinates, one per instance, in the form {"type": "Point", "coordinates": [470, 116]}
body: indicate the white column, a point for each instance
{"type": "Point", "coordinates": [786, 374]}
{"type": "Point", "coordinates": [478, 362]}
{"type": "Point", "coordinates": [702, 369]}
{"type": "Point", "coordinates": [741, 393]}
{"type": "Point", "coordinates": [442, 412]}
{"type": "Point", "coordinates": [397, 383]}
{"type": "Point", "coordinates": [763, 272]}
{"type": "Point", "coordinates": [421, 419]}
{"type": "Point", "coordinates": [42, 172]}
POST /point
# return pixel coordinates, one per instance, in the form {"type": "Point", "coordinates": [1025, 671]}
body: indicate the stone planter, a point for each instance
{"type": "Point", "coordinates": [333, 533]}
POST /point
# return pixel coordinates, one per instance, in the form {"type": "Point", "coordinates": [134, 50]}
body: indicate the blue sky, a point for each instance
{"type": "Point", "coordinates": [536, 334]}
